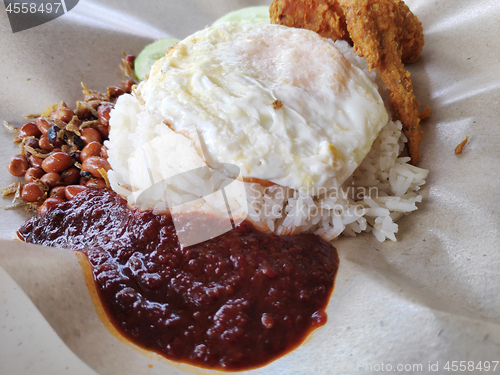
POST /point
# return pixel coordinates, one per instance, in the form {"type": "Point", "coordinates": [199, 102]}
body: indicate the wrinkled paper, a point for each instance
{"type": "Point", "coordinates": [430, 298]}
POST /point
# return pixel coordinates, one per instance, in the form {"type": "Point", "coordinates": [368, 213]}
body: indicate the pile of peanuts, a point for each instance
{"type": "Point", "coordinates": [63, 154]}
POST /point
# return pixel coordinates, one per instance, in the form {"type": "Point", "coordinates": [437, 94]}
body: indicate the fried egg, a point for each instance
{"type": "Point", "coordinates": [281, 103]}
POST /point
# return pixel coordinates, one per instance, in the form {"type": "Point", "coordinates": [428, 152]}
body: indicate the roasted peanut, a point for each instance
{"type": "Point", "coordinates": [33, 173]}
{"type": "Point", "coordinates": [18, 165]}
{"type": "Point", "coordinates": [45, 143]}
{"type": "Point", "coordinates": [58, 192]}
{"type": "Point", "coordinates": [29, 130]}
{"type": "Point", "coordinates": [115, 91]}
{"type": "Point", "coordinates": [127, 85]}
{"type": "Point", "coordinates": [72, 190]}
{"type": "Point", "coordinates": [35, 161]}
{"type": "Point", "coordinates": [93, 163]}
{"type": "Point", "coordinates": [49, 204]}
{"type": "Point", "coordinates": [96, 183]}
{"type": "Point", "coordinates": [70, 176]}
{"type": "Point", "coordinates": [33, 143]}
{"type": "Point", "coordinates": [57, 162]}
{"type": "Point", "coordinates": [104, 152]}
{"type": "Point", "coordinates": [43, 125]}
{"type": "Point", "coordinates": [64, 114]}
{"type": "Point", "coordinates": [103, 113]}
{"type": "Point", "coordinates": [51, 179]}
{"type": "Point", "coordinates": [130, 59]}
{"type": "Point", "coordinates": [90, 135]}
{"type": "Point", "coordinates": [92, 149]}
{"type": "Point", "coordinates": [31, 192]}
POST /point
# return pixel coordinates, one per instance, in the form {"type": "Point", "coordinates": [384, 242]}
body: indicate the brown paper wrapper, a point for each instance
{"type": "Point", "coordinates": [430, 298]}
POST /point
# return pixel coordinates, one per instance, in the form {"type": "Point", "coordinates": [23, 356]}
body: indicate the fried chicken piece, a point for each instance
{"type": "Point", "coordinates": [380, 30]}
{"type": "Point", "coordinates": [327, 18]}
{"type": "Point", "coordinates": [385, 32]}
{"type": "Point", "coordinates": [322, 16]}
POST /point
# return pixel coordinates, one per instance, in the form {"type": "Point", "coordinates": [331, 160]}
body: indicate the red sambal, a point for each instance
{"type": "Point", "coordinates": [234, 302]}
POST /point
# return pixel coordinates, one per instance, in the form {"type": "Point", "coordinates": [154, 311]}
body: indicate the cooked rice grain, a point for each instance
{"type": "Point", "coordinates": [383, 189]}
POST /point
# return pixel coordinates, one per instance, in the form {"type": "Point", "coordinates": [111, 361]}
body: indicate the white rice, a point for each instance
{"type": "Point", "coordinates": [383, 189]}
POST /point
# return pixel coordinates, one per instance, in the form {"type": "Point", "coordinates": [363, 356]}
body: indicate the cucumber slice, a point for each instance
{"type": "Point", "coordinates": [152, 52]}
{"type": "Point", "coordinates": [258, 14]}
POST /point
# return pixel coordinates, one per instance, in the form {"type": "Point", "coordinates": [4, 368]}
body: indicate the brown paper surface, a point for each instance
{"type": "Point", "coordinates": [431, 297]}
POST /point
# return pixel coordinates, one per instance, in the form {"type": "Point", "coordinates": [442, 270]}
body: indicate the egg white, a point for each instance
{"type": "Point", "coordinates": [281, 103]}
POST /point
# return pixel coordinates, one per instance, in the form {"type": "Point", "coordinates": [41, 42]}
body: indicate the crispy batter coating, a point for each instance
{"type": "Point", "coordinates": [322, 16]}
{"type": "Point", "coordinates": [385, 32]}
{"type": "Point", "coordinates": [460, 147]}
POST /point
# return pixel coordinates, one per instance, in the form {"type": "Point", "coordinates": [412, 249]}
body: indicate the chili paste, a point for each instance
{"type": "Point", "coordinates": [234, 302]}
